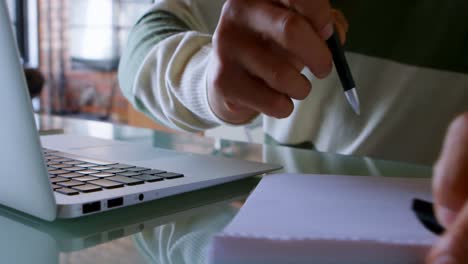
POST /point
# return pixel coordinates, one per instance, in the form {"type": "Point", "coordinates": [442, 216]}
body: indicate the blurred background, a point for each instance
{"type": "Point", "coordinates": [75, 45]}
{"type": "Point", "coordinates": [71, 48]}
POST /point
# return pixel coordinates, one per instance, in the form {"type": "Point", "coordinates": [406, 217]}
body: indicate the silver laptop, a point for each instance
{"type": "Point", "coordinates": [69, 176]}
{"type": "Point", "coordinates": [45, 241]}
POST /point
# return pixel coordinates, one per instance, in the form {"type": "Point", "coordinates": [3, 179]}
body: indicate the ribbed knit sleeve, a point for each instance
{"type": "Point", "coordinates": [150, 29]}
{"type": "Point", "coordinates": [163, 70]}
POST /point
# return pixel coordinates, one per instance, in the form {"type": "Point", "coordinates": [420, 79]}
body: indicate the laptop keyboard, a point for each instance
{"type": "Point", "coordinates": [74, 175]}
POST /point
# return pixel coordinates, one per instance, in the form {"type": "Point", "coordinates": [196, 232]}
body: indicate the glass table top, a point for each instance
{"type": "Point", "coordinates": [176, 229]}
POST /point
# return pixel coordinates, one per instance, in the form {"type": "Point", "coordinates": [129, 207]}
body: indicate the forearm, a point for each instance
{"type": "Point", "coordinates": [151, 29]}
{"type": "Point", "coordinates": [162, 71]}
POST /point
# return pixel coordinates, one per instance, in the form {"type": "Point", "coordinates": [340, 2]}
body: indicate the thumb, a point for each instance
{"type": "Point", "coordinates": [450, 182]}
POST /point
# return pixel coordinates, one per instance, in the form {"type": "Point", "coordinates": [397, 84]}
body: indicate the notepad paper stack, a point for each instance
{"type": "Point", "coordinates": [292, 218]}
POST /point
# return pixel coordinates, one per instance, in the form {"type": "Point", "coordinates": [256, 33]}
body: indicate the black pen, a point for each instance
{"type": "Point", "coordinates": [425, 213]}
{"type": "Point", "coordinates": [344, 72]}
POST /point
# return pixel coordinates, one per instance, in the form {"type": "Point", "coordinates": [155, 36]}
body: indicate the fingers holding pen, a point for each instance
{"type": "Point", "coordinates": [278, 72]}
{"type": "Point", "coordinates": [242, 94]}
{"type": "Point", "coordinates": [255, 95]}
{"type": "Point", "coordinates": [317, 12]}
{"type": "Point", "coordinates": [260, 48]}
{"type": "Point", "coordinates": [290, 30]}
{"type": "Point", "coordinates": [248, 94]}
{"type": "Point", "coordinates": [341, 25]}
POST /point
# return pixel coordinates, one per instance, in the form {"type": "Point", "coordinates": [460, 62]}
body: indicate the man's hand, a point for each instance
{"type": "Point", "coordinates": [259, 50]}
{"type": "Point", "coordinates": [451, 196]}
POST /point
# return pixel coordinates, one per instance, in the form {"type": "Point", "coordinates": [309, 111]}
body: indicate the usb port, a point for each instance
{"type": "Point", "coordinates": [91, 207]}
{"type": "Point", "coordinates": [114, 202]}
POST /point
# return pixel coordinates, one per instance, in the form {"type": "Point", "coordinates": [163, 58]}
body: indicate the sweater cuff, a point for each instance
{"type": "Point", "coordinates": [201, 105]}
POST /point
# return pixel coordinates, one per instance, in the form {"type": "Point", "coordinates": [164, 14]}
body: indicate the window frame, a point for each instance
{"type": "Point", "coordinates": [115, 27]}
{"type": "Point", "coordinates": [27, 31]}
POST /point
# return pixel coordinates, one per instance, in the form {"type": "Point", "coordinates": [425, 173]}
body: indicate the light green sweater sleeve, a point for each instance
{"type": "Point", "coordinates": [152, 28]}
{"type": "Point", "coordinates": [164, 66]}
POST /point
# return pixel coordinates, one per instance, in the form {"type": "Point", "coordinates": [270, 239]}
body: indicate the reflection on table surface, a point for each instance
{"type": "Point", "coordinates": [293, 159]}
{"type": "Point", "coordinates": [171, 230]}
{"type": "Point", "coordinates": [198, 213]}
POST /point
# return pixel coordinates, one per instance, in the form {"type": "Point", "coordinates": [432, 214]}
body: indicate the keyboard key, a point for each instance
{"type": "Point", "coordinates": [71, 157]}
{"type": "Point", "coordinates": [125, 180]}
{"type": "Point", "coordinates": [71, 183]}
{"type": "Point", "coordinates": [87, 172]}
{"type": "Point", "coordinates": [70, 175]}
{"type": "Point", "coordinates": [170, 175]}
{"type": "Point", "coordinates": [87, 165]}
{"type": "Point", "coordinates": [67, 191]}
{"type": "Point", "coordinates": [149, 178]}
{"type": "Point", "coordinates": [52, 163]}
{"type": "Point", "coordinates": [97, 162]}
{"type": "Point", "coordinates": [46, 150]}
{"type": "Point", "coordinates": [122, 166]}
{"type": "Point", "coordinates": [62, 159]}
{"type": "Point", "coordinates": [51, 157]}
{"type": "Point", "coordinates": [154, 171]}
{"type": "Point", "coordinates": [87, 188]}
{"type": "Point", "coordinates": [101, 168]}
{"type": "Point", "coordinates": [129, 174]}
{"type": "Point", "coordinates": [60, 166]}
{"type": "Point", "coordinates": [116, 171]}
{"type": "Point", "coordinates": [102, 174]}
{"type": "Point", "coordinates": [53, 171]}
{"type": "Point", "coordinates": [55, 187]}
{"type": "Point", "coordinates": [107, 184]}
{"type": "Point", "coordinates": [74, 169]}
{"type": "Point", "coordinates": [138, 169]}
{"type": "Point", "coordinates": [85, 178]}
{"type": "Point", "coordinates": [57, 179]}
{"type": "Point", "coordinates": [74, 162]}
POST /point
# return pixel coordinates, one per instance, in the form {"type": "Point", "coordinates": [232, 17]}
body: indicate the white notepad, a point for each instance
{"type": "Point", "coordinates": [292, 218]}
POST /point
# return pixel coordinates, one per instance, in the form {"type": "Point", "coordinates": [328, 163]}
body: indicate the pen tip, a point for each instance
{"type": "Point", "coordinates": [353, 100]}
{"type": "Point", "coordinates": [357, 110]}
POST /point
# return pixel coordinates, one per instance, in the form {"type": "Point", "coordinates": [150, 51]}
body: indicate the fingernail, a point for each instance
{"type": "Point", "coordinates": [444, 259]}
{"type": "Point", "coordinates": [445, 216]}
{"type": "Point", "coordinates": [327, 31]}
